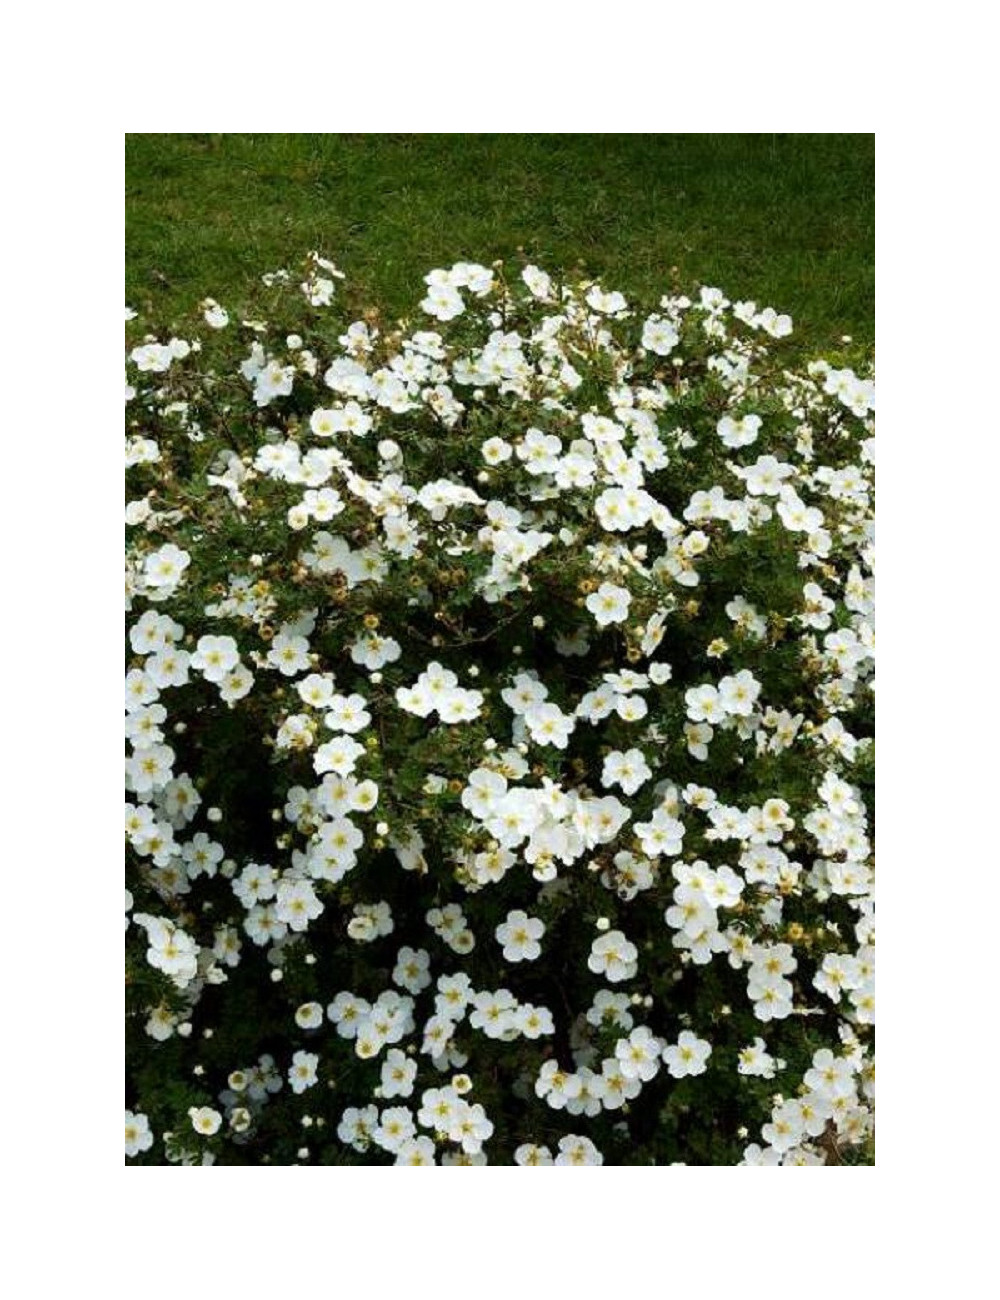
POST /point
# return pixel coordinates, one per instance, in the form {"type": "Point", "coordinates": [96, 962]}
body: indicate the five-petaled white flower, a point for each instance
{"type": "Point", "coordinates": [519, 936]}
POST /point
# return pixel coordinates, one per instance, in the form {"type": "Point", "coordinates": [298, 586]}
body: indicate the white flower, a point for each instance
{"type": "Point", "coordinates": [612, 956]}
{"type": "Point", "coordinates": [495, 451]}
{"type": "Point", "coordinates": [443, 302]}
{"type": "Point", "coordinates": [236, 684]}
{"type": "Point", "coordinates": [786, 1128]}
{"type": "Point", "coordinates": [519, 936]}
{"type": "Point", "coordinates": [662, 834]}
{"type": "Point", "coordinates": [609, 303]}
{"type": "Point", "coordinates": [338, 755]}
{"type": "Point", "coordinates": [574, 1150]}
{"type": "Point", "coordinates": [687, 1056]}
{"type": "Point", "coordinates": [796, 515]}
{"type": "Point", "coordinates": [830, 1076]}
{"type": "Point", "coordinates": [609, 604]}
{"type": "Point", "coordinates": [170, 949]}
{"type": "Point", "coordinates": [398, 1074]}
{"type": "Point", "coordinates": [271, 381]}
{"type": "Point", "coordinates": [149, 768]}
{"type": "Point", "coordinates": [529, 1153]}
{"type": "Point", "coordinates": [296, 904]}
{"type": "Point", "coordinates": [771, 323]}
{"type": "Point", "coordinates": [215, 315]}
{"type": "Point", "coordinates": [638, 1055]}
{"type": "Point", "coordinates": [538, 282]}
{"type": "Point", "coordinates": [533, 1021]}
{"type": "Point", "coordinates": [619, 510]}
{"type": "Point", "coordinates": [415, 1151]}
{"type": "Point", "coordinates": [698, 735]}
{"type": "Point", "coordinates": [703, 704]}
{"type": "Point", "coordinates": [374, 652]}
{"type": "Point", "coordinates": [627, 769]}
{"type": "Point", "coordinates": [739, 433]}
{"type": "Point", "coordinates": [347, 713]}
{"type": "Point", "coordinates": [215, 657]}
{"type": "Point", "coordinates": [737, 695]}
{"type": "Point", "coordinates": [309, 1015]}
{"type": "Point", "coordinates": [302, 1071]}
{"type": "Point", "coordinates": [460, 706]}
{"type": "Point", "coordinates": [755, 1060]}
{"type": "Point", "coordinates": [169, 667]}
{"type": "Point", "coordinates": [165, 567]}
{"type": "Point", "coordinates": [289, 654]}
{"type": "Point", "coordinates": [205, 1120]}
{"type": "Point", "coordinates": [659, 336]}
{"type": "Point", "coordinates": [548, 725]}
{"type": "Point", "coordinates": [412, 969]}
{"type": "Point", "coordinates": [765, 476]}
{"type": "Point", "coordinates": [539, 451]}
{"type": "Point", "coordinates": [318, 291]}
{"type": "Point", "coordinates": [137, 1133]}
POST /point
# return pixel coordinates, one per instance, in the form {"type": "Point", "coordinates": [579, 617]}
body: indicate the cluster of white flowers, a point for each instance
{"type": "Point", "coordinates": [437, 690]}
{"type": "Point", "coordinates": [394, 637]}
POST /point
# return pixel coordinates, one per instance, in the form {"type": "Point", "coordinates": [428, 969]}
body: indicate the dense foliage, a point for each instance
{"type": "Point", "coordinates": [500, 732]}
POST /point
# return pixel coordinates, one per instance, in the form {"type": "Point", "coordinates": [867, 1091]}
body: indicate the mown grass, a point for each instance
{"type": "Point", "coordinates": [785, 219]}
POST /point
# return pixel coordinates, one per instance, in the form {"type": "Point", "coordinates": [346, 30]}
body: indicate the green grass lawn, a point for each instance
{"type": "Point", "coordinates": [788, 220]}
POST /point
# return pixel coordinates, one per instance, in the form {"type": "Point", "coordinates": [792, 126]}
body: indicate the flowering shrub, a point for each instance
{"type": "Point", "coordinates": [499, 721]}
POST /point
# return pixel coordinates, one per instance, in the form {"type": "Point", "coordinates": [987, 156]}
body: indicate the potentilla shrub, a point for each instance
{"type": "Point", "coordinates": [499, 732]}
